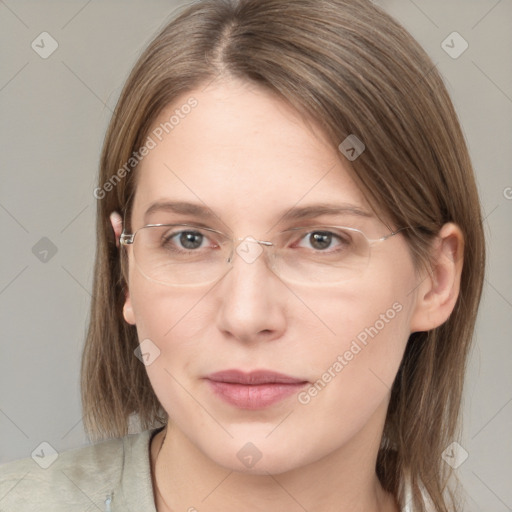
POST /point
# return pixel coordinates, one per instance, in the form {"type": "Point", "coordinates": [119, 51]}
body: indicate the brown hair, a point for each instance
{"type": "Point", "coordinates": [354, 70]}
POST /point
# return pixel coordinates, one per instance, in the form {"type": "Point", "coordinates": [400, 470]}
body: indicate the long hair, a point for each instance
{"type": "Point", "coordinates": [353, 69]}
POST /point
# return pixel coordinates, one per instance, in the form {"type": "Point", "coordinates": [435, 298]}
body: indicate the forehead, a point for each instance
{"type": "Point", "coordinates": [243, 152]}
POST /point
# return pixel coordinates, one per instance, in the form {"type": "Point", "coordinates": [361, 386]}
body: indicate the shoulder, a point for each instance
{"type": "Point", "coordinates": [74, 480]}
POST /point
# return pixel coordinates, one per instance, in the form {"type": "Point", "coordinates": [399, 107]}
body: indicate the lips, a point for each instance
{"type": "Point", "coordinates": [254, 390]}
{"type": "Point", "coordinates": [253, 378]}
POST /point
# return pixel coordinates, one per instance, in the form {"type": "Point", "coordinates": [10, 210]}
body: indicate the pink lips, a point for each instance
{"type": "Point", "coordinates": [253, 390]}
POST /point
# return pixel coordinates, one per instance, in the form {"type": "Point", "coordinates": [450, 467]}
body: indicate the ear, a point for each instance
{"type": "Point", "coordinates": [438, 291]}
{"type": "Point", "coordinates": [117, 225]}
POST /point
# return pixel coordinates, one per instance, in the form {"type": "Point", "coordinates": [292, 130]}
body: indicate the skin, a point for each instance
{"type": "Point", "coordinates": [248, 156]}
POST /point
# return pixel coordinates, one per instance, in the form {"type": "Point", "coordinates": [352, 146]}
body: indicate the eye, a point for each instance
{"type": "Point", "coordinates": [321, 239]}
{"type": "Point", "coordinates": [184, 240]}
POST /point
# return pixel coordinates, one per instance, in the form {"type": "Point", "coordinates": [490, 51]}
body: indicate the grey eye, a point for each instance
{"type": "Point", "coordinates": [320, 240]}
{"type": "Point", "coordinates": [186, 240]}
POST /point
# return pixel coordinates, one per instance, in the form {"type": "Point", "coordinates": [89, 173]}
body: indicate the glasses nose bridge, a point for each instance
{"type": "Point", "coordinates": [245, 254]}
{"type": "Point", "coordinates": [253, 240]}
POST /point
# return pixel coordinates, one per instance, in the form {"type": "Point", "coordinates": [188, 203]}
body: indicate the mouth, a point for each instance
{"type": "Point", "coordinates": [254, 390]}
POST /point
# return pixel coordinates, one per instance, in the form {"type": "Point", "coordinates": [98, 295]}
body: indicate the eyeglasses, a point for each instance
{"type": "Point", "coordinates": [184, 254]}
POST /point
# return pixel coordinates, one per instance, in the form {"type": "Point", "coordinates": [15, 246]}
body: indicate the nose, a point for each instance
{"type": "Point", "coordinates": [251, 298]}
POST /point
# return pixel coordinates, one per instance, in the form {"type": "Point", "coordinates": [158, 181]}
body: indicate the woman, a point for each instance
{"type": "Point", "coordinates": [289, 265]}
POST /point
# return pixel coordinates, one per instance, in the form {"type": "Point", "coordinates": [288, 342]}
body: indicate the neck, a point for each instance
{"type": "Point", "coordinates": [185, 479]}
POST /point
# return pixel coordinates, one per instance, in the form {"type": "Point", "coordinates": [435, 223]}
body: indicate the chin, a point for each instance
{"type": "Point", "coordinates": [259, 457]}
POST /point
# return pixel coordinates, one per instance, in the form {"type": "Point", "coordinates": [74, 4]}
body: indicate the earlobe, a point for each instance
{"type": "Point", "coordinates": [117, 225]}
{"type": "Point", "coordinates": [437, 293]}
{"type": "Point", "coordinates": [128, 310]}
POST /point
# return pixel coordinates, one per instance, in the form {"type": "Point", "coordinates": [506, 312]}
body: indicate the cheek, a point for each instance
{"type": "Point", "coordinates": [169, 327]}
{"type": "Point", "coordinates": [161, 311]}
{"type": "Point", "coordinates": [356, 363]}
{"type": "Point", "coordinates": [366, 332]}
{"type": "Point", "coordinates": [172, 323]}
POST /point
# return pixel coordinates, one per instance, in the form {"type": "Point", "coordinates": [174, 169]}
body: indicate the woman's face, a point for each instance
{"type": "Point", "coordinates": [247, 157]}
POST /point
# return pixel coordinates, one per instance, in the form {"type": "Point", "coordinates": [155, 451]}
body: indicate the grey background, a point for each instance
{"type": "Point", "coordinates": [54, 113]}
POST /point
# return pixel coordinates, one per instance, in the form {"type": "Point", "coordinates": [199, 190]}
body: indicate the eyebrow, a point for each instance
{"type": "Point", "coordinates": [293, 213]}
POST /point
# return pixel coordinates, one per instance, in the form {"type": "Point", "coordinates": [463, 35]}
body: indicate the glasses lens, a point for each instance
{"type": "Point", "coordinates": [321, 255]}
{"type": "Point", "coordinates": [180, 254]}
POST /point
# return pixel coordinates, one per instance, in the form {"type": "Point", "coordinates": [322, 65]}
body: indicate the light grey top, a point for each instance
{"type": "Point", "coordinates": [113, 475]}
{"type": "Point", "coordinates": [110, 476]}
